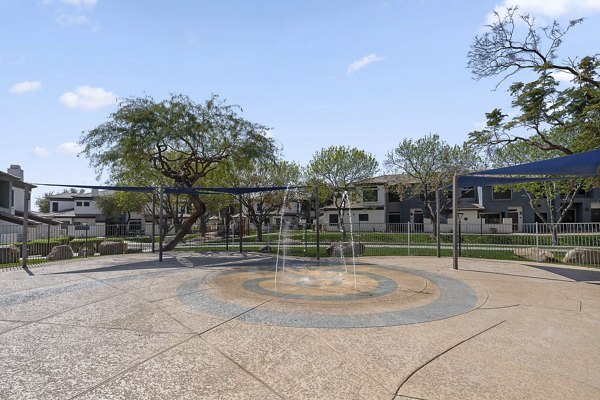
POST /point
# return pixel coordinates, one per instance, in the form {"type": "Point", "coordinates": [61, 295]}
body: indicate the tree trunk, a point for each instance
{"type": "Point", "coordinates": [259, 232]}
{"type": "Point", "coordinates": [186, 227]}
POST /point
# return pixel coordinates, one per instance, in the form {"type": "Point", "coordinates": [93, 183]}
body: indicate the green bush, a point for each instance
{"type": "Point", "coordinates": [42, 247]}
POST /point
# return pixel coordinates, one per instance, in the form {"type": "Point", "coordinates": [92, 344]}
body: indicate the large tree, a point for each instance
{"type": "Point", "coordinates": [335, 171]}
{"type": "Point", "coordinates": [547, 118]}
{"type": "Point", "coordinates": [426, 165]}
{"type": "Point", "coordinates": [546, 115]}
{"type": "Point", "coordinates": [180, 140]}
{"type": "Point", "coordinates": [261, 205]}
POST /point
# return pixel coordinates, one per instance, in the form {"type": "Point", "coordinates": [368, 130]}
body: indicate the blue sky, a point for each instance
{"type": "Point", "coordinates": [365, 74]}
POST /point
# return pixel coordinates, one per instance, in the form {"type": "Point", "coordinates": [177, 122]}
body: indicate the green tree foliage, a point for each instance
{"type": "Point", "coordinates": [179, 140]}
{"type": "Point", "coordinates": [335, 170]}
{"type": "Point", "coordinates": [43, 202]}
{"type": "Point", "coordinates": [260, 206]}
{"type": "Point", "coordinates": [119, 205]}
{"type": "Point", "coordinates": [426, 165]}
{"type": "Point", "coordinates": [547, 119]}
{"type": "Point", "coordinates": [547, 116]}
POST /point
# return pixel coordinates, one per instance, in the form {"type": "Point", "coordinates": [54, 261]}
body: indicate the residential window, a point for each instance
{"type": "Point", "coordinates": [369, 194]}
{"type": "Point", "coordinates": [333, 218]}
{"type": "Point", "coordinates": [54, 206]}
{"type": "Point", "coordinates": [363, 217]}
{"type": "Point", "coordinates": [595, 214]}
{"type": "Point", "coordinates": [394, 218]}
{"type": "Point", "coordinates": [79, 203]}
{"type": "Point", "coordinates": [393, 197]}
{"type": "Point", "coordinates": [502, 194]}
{"type": "Point", "coordinates": [492, 218]}
{"type": "Point", "coordinates": [86, 203]}
{"type": "Point", "coordinates": [467, 193]}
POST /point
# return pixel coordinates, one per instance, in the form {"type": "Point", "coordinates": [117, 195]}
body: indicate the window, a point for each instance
{"type": "Point", "coordinates": [499, 194]}
{"type": "Point", "coordinates": [54, 206]}
{"type": "Point", "coordinates": [492, 218]}
{"type": "Point", "coordinates": [595, 214]}
{"type": "Point", "coordinates": [394, 218]}
{"type": "Point", "coordinates": [369, 194]}
{"type": "Point", "coordinates": [79, 203]}
{"type": "Point", "coordinates": [393, 197]}
{"type": "Point", "coordinates": [363, 217]}
{"type": "Point", "coordinates": [467, 193]}
{"type": "Point", "coordinates": [86, 203]}
{"type": "Point", "coordinates": [333, 218]}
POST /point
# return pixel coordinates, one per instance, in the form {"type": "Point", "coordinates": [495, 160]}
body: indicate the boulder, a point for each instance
{"type": "Point", "coordinates": [336, 249]}
{"type": "Point", "coordinates": [132, 250]}
{"type": "Point", "coordinates": [534, 254]}
{"type": "Point", "coordinates": [580, 255]}
{"type": "Point", "coordinates": [9, 254]}
{"type": "Point", "coordinates": [109, 247]}
{"type": "Point", "coordinates": [265, 249]}
{"type": "Point", "coordinates": [60, 252]}
{"type": "Point", "coordinates": [85, 252]}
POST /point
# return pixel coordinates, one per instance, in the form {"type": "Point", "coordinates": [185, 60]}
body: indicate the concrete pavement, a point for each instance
{"type": "Point", "coordinates": [216, 327]}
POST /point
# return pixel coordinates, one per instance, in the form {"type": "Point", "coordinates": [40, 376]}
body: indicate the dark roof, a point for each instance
{"type": "Point", "coordinates": [38, 218]}
{"type": "Point", "coordinates": [15, 180]}
{"type": "Point", "coordinates": [13, 219]}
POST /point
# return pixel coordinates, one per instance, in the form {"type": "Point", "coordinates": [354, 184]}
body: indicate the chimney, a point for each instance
{"type": "Point", "coordinates": [16, 171]}
{"type": "Point", "coordinates": [94, 192]}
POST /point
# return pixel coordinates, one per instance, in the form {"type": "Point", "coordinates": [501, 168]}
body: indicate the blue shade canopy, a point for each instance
{"type": "Point", "coordinates": [579, 164]}
{"type": "Point", "coordinates": [173, 190]}
{"type": "Point", "coordinates": [142, 189]}
{"type": "Point", "coordinates": [232, 190]}
{"type": "Point", "coordinates": [473, 180]}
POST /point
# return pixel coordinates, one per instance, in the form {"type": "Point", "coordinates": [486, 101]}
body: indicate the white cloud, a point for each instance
{"type": "Point", "coordinates": [70, 148]}
{"type": "Point", "coordinates": [551, 8]}
{"type": "Point", "coordinates": [71, 19]}
{"type": "Point", "coordinates": [563, 76]}
{"type": "Point", "coordinates": [363, 62]}
{"type": "Point", "coordinates": [88, 98]}
{"type": "Point", "coordinates": [80, 3]}
{"type": "Point", "coordinates": [40, 151]}
{"type": "Point", "coordinates": [24, 87]}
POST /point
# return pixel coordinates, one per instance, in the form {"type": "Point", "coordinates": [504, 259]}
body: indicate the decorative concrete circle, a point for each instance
{"type": "Point", "coordinates": [378, 296]}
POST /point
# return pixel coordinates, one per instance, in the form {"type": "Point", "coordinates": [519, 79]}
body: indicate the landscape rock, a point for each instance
{"type": "Point", "coordinates": [336, 249]}
{"type": "Point", "coordinates": [109, 247]}
{"type": "Point", "coordinates": [534, 254]}
{"type": "Point", "coordinates": [9, 254]}
{"type": "Point", "coordinates": [85, 252]}
{"type": "Point", "coordinates": [60, 252]}
{"type": "Point", "coordinates": [580, 255]}
{"type": "Point", "coordinates": [132, 250]}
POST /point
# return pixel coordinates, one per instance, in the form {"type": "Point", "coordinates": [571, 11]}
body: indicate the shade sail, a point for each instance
{"type": "Point", "coordinates": [231, 190]}
{"type": "Point", "coordinates": [473, 180]}
{"type": "Point", "coordinates": [173, 190]}
{"type": "Point", "coordinates": [579, 164]}
{"type": "Point", "coordinates": [142, 189]}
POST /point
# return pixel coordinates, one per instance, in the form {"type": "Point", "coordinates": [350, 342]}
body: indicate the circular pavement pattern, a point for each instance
{"type": "Point", "coordinates": [324, 296]}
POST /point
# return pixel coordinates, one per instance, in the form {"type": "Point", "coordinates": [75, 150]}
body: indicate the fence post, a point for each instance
{"type": "Point", "coordinates": [537, 243]}
{"type": "Point", "coordinates": [409, 237]}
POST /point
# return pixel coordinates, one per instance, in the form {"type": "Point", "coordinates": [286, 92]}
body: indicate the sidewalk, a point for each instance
{"type": "Point", "coordinates": [128, 327]}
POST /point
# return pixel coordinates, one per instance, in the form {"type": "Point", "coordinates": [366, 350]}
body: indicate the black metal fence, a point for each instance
{"type": "Point", "coordinates": [577, 243]}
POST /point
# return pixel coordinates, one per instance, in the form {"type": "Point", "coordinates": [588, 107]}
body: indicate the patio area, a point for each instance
{"type": "Point", "coordinates": [217, 326]}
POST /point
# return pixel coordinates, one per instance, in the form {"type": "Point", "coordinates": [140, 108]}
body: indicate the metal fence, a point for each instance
{"type": "Point", "coordinates": [573, 243]}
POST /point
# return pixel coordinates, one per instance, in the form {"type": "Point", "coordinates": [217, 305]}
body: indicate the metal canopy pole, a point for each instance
{"type": "Point", "coordinates": [317, 224]}
{"type": "Point", "coordinates": [161, 225]}
{"type": "Point", "coordinates": [25, 238]}
{"type": "Point", "coordinates": [455, 222]}
{"type": "Point", "coordinates": [437, 223]}
{"type": "Point", "coordinates": [240, 222]}
{"type": "Point", "coordinates": [153, 220]}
